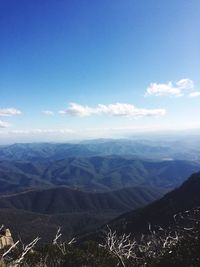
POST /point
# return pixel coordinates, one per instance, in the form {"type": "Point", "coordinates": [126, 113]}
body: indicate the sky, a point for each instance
{"type": "Point", "coordinates": [74, 69]}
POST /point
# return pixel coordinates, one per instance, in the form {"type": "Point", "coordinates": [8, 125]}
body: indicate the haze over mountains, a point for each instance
{"type": "Point", "coordinates": [164, 148]}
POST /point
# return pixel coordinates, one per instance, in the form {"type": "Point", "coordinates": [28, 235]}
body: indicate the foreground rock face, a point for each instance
{"type": "Point", "coordinates": [6, 239]}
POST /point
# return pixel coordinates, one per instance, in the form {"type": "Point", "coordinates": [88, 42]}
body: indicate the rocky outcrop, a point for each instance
{"type": "Point", "coordinates": [6, 239]}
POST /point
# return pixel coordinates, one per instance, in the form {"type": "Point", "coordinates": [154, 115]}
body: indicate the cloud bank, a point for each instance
{"type": "Point", "coordinates": [117, 110]}
{"type": "Point", "coordinates": [8, 112]}
{"type": "Point", "coordinates": [42, 131]}
{"type": "Point", "coordinates": [169, 89]}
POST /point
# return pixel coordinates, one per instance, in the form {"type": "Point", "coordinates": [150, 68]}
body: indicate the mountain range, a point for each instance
{"type": "Point", "coordinates": [97, 174]}
{"type": "Point", "coordinates": [83, 186]}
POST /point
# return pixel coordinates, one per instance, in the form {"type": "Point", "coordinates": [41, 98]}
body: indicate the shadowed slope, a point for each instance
{"type": "Point", "coordinates": [63, 200]}
{"type": "Point", "coordinates": [161, 212]}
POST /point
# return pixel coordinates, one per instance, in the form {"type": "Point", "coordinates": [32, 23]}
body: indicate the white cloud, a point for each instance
{"type": "Point", "coordinates": [159, 89]}
{"type": "Point", "coordinates": [185, 84]}
{"type": "Point", "coordinates": [118, 109]}
{"type": "Point", "coordinates": [4, 124]}
{"type": "Point", "coordinates": [48, 112]}
{"type": "Point", "coordinates": [8, 112]}
{"type": "Point", "coordinates": [194, 94]}
{"type": "Point", "coordinates": [78, 110]}
{"type": "Point", "coordinates": [168, 89]}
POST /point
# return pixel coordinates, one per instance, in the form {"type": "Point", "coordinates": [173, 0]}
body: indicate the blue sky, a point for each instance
{"type": "Point", "coordinates": [76, 69]}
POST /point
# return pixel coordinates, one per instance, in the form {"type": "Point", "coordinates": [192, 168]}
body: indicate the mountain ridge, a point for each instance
{"type": "Point", "coordinates": [139, 148]}
{"type": "Point", "coordinates": [161, 212]}
{"type": "Point", "coordinates": [64, 200]}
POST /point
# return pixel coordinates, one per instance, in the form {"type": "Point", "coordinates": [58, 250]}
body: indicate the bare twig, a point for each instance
{"type": "Point", "coordinates": [58, 235]}
{"type": "Point", "coordinates": [25, 251]}
{"type": "Point", "coordinates": [10, 249]}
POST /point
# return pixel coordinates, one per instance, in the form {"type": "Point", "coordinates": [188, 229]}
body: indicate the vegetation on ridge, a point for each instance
{"type": "Point", "coordinates": [175, 246]}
